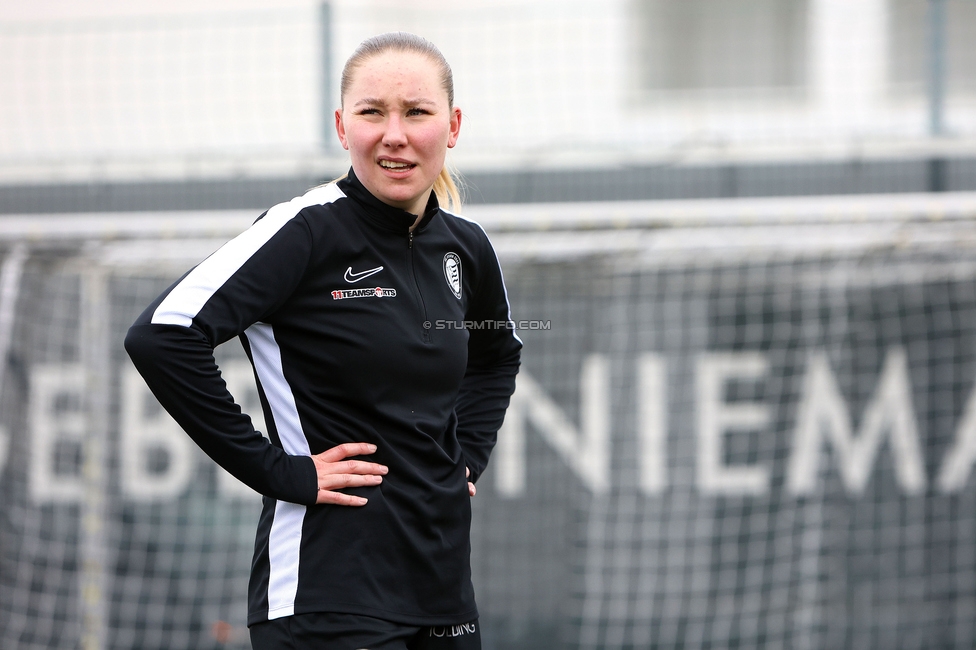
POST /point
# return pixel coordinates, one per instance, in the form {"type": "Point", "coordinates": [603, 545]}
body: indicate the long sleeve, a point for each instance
{"type": "Point", "coordinates": [172, 342]}
{"type": "Point", "coordinates": [178, 365]}
{"type": "Point", "coordinates": [493, 362]}
{"type": "Point", "coordinates": [334, 303]}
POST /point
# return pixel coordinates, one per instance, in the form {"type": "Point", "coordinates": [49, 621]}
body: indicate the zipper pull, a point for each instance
{"type": "Point", "coordinates": [410, 239]}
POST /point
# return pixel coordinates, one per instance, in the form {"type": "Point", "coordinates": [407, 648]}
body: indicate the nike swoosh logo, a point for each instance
{"type": "Point", "coordinates": [362, 275]}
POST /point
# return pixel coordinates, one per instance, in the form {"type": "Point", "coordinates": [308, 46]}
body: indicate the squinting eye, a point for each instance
{"type": "Point", "coordinates": [416, 111]}
{"type": "Point", "coordinates": [369, 111]}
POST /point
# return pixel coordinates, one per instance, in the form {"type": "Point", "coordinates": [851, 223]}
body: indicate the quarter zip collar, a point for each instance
{"type": "Point", "coordinates": [382, 215]}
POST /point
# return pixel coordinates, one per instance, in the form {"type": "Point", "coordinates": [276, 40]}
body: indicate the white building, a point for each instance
{"type": "Point", "coordinates": [142, 91]}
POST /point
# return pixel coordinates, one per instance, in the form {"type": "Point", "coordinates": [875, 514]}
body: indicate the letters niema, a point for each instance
{"type": "Point", "coordinates": [822, 417]}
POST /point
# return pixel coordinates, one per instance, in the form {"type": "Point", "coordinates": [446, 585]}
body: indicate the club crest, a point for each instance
{"type": "Point", "coordinates": [452, 273]}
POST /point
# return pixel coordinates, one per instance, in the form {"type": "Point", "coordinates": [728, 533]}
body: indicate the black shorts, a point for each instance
{"type": "Point", "coordinates": [353, 632]}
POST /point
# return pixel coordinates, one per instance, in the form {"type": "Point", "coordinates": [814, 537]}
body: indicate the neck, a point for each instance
{"type": "Point", "coordinates": [417, 220]}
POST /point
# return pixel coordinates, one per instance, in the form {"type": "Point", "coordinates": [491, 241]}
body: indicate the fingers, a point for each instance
{"type": "Point", "coordinates": [349, 467]}
{"type": "Point", "coordinates": [339, 499]}
{"type": "Point", "coordinates": [335, 473]}
{"type": "Point", "coordinates": [331, 461]}
{"type": "Point", "coordinates": [346, 450]}
{"type": "Point", "coordinates": [337, 481]}
{"type": "Point", "coordinates": [331, 482]}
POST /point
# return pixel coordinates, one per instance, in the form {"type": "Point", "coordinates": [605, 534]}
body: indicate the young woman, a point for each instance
{"type": "Point", "coordinates": [382, 405]}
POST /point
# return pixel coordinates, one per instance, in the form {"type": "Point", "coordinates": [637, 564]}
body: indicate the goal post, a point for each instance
{"type": "Point", "coordinates": [737, 423]}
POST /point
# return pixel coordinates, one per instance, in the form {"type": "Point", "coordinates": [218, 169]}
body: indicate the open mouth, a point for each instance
{"type": "Point", "coordinates": [394, 166]}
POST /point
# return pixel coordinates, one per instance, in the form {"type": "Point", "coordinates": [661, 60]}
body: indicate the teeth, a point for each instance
{"type": "Point", "coordinates": [389, 164]}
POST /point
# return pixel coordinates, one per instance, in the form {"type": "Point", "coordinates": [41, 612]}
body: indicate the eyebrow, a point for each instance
{"type": "Point", "coordinates": [368, 101]}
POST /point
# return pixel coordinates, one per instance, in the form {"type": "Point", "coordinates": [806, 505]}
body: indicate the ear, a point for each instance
{"type": "Point", "coordinates": [455, 127]}
{"type": "Point", "coordinates": [341, 129]}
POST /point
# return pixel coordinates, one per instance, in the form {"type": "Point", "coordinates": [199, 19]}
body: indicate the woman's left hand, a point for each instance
{"type": "Point", "coordinates": [472, 490]}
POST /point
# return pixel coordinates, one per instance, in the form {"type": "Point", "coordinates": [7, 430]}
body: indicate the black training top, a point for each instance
{"type": "Point", "coordinates": [358, 331]}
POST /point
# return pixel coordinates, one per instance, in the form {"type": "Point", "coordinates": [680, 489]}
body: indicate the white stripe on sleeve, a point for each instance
{"type": "Point", "coordinates": [188, 297]}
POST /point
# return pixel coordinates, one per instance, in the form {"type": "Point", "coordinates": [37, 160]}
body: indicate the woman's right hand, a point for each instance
{"type": "Point", "coordinates": [334, 473]}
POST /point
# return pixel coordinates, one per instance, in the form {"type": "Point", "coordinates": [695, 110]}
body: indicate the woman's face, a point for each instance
{"type": "Point", "coordinates": [397, 125]}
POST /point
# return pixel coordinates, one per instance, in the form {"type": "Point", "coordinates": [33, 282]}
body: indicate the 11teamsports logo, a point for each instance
{"type": "Point", "coordinates": [378, 292]}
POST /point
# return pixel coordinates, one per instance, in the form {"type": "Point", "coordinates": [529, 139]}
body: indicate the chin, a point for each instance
{"type": "Point", "coordinates": [400, 199]}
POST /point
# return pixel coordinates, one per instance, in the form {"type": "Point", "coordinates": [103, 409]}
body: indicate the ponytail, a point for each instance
{"type": "Point", "coordinates": [447, 192]}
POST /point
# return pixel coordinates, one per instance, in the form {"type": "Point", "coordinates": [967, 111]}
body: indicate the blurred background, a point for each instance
{"type": "Point", "coordinates": [739, 238]}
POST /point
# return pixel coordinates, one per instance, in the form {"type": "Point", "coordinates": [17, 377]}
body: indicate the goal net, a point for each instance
{"type": "Point", "coordinates": [737, 424]}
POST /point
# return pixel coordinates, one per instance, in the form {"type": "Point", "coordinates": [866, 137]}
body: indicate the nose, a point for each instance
{"type": "Point", "coordinates": [394, 136]}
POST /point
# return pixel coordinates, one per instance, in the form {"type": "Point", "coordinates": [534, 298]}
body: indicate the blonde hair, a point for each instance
{"type": "Point", "coordinates": [445, 188]}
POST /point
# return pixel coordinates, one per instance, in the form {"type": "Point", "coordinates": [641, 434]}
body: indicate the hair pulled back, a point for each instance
{"type": "Point", "coordinates": [448, 195]}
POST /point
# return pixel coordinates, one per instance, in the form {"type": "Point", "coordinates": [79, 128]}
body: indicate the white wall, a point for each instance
{"type": "Point", "coordinates": [132, 88]}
